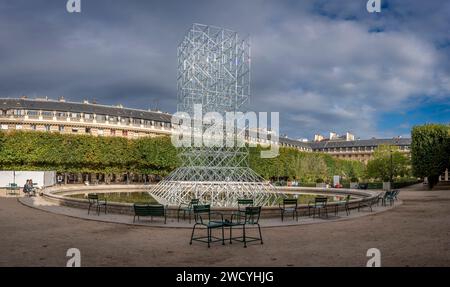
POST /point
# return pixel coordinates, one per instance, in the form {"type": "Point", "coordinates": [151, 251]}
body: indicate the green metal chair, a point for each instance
{"type": "Point", "coordinates": [290, 205]}
{"type": "Point", "coordinates": [189, 208]}
{"type": "Point", "coordinates": [344, 204]}
{"type": "Point", "coordinates": [12, 188]}
{"type": "Point", "coordinates": [252, 215]}
{"type": "Point", "coordinates": [387, 196]}
{"type": "Point", "coordinates": [320, 202]}
{"type": "Point", "coordinates": [242, 204]}
{"type": "Point", "coordinates": [202, 216]}
{"type": "Point", "coordinates": [94, 201]}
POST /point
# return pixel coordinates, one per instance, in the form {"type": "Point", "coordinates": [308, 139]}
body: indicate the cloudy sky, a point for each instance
{"type": "Point", "coordinates": [324, 65]}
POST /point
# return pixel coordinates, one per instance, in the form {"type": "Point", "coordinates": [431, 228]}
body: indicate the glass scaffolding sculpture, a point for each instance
{"type": "Point", "coordinates": [214, 72]}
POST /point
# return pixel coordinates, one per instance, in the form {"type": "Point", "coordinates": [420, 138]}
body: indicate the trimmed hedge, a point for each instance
{"type": "Point", "coordinates": [32, 150]}
{"type": "Point", "coordinates": [402, 184]}
{"type": "Point", "coordinates": [35, 150]}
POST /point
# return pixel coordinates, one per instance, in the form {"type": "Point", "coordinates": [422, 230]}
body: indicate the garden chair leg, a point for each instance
{"type": "Point", "coordinates": [260, 236]}
{"type": "Point", "coordinates": [223, 236]}
{"type": "Point", "coordinates": [243, 233]}
{"type": "Point", "coordinates": [192, 235]}
{"type": "Point", "coordinates": [209, 237]}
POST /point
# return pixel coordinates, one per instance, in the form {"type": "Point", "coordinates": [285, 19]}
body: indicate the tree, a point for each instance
{"type": "Point", "coordinates": [430, 151]}
{"type": "Point", "coordinates": [388, 162]}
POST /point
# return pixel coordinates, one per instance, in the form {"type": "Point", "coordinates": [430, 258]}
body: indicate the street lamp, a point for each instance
{"type": "Point", "coordinates": [391, 175]}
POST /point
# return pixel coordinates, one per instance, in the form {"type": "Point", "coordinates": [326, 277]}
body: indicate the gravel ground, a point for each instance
{"type": "Point", "coordinates": [416, 233]}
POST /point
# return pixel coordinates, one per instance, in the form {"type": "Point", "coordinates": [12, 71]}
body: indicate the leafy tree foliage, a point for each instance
{"type": "Point", "coordinates": [29, 150]}
{"type": "Point", "coordinates": [304, 166]}
{"type": "Point", "coordinates": [387, 159]}
{"type": "Point", "coordinates": [430, 151]}
{"type": "Point", "coordinates": [33, 150]}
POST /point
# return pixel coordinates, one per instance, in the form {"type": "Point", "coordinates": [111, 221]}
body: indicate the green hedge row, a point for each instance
{"type": "Point", "coordinates": [32, 150]}
{"type": "Point", "coordinates": [27, 150]}
{"type": "Point", "coordinates": [304, 166]}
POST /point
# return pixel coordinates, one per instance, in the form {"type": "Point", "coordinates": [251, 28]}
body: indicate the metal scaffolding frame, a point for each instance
{"type": "Point", "coordinates": [214, 71]}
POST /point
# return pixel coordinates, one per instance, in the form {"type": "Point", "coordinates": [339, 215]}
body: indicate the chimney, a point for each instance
{"type": "Point", "coordinates": [318, 137]}
{"type": "Point", "coordinates": [333, 135]}
{"type": "Point", "coordinates": [349, 137]}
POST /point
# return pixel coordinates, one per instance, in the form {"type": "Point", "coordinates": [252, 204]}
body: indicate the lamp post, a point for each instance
{"type": "Point", "coordinates": [391, 165]}
{"type": "Point", "coordinates": [391, 174]}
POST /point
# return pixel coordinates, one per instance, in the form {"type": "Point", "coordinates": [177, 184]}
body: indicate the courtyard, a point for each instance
{"type": "Point", "coordinates": [414, 233]}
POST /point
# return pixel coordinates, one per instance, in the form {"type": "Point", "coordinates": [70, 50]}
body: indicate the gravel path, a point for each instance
{"type": "Point", "coordinates": [416, 233]}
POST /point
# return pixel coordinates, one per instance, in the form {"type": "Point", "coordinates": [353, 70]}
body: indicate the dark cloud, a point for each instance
{"type": "Point", "coordinates": [324, 65]}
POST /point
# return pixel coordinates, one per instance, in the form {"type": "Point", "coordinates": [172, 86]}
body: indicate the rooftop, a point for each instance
{"type": "Point", "coordinates": [86, 107]}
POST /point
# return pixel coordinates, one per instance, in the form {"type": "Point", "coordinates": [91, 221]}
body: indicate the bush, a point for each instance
{"type": "Point", "coordinates": [402, 184]}
{"type": "Point", "coordinates": [375, 185]}
{"type": "Point", "coordinates": [307, 184]}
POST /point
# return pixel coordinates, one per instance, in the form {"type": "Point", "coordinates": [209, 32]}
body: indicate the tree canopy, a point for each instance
{"type": "Point", "coordinates": [430, 151]}
{"type": "Point", "coordinates": [33, 150]}
{"type": "Point", "coordinates": [387, 159]}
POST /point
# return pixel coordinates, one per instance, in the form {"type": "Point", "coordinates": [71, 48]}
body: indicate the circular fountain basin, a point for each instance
{"type": "Point", "coordinates": [121, 198]}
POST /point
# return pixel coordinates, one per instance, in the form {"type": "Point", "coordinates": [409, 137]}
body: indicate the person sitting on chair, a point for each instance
{"type": "Point", "coordinates": [28, 188]}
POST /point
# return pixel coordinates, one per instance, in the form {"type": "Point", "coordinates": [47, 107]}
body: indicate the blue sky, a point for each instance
{"type": "Point", "coordinates": [324, 65]}
{"type": "Point", "coordinates": [403, 121]}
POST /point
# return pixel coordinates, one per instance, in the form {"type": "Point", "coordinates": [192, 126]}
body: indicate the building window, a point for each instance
{"type": "Point", "coordinates": [60, 128]}
{"type": "Point", "coordinates": [88, 117]}
{"type": "Point", "coordinates": [19, 113]}
{"type": "Point", "coordinates": [61, 115]}
{"type": "Point", "coordinates": [125, 133]}
{"type": "Point", "coordinates": [4, 127]}
{"type": "Point", "coordinates": [33, 127]}
{"type": "Point", "coordinates": [47, 128]}
{"type": "Point", "coordinates": [18, 127]}
{"type": "Point", "coordinates": [47, 114]}
{"type": "Point", "coordinates": [88, 130]}
{"type": "Point", "coordinates": [75, 115]}
{"type": "Point", "coordinates": [101, 118]}
{"type": "Point", "coordinates": [113, 132]}
{"type": "Point", "coordinates": [32, 113]}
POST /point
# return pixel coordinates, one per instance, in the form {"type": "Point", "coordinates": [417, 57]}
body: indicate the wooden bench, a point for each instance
{"type": "Point", "coordinates": [149, 210]}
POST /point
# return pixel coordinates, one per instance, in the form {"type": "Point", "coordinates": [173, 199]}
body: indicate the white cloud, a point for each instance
{"type": "Point", "coordinates": [340, 74]}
